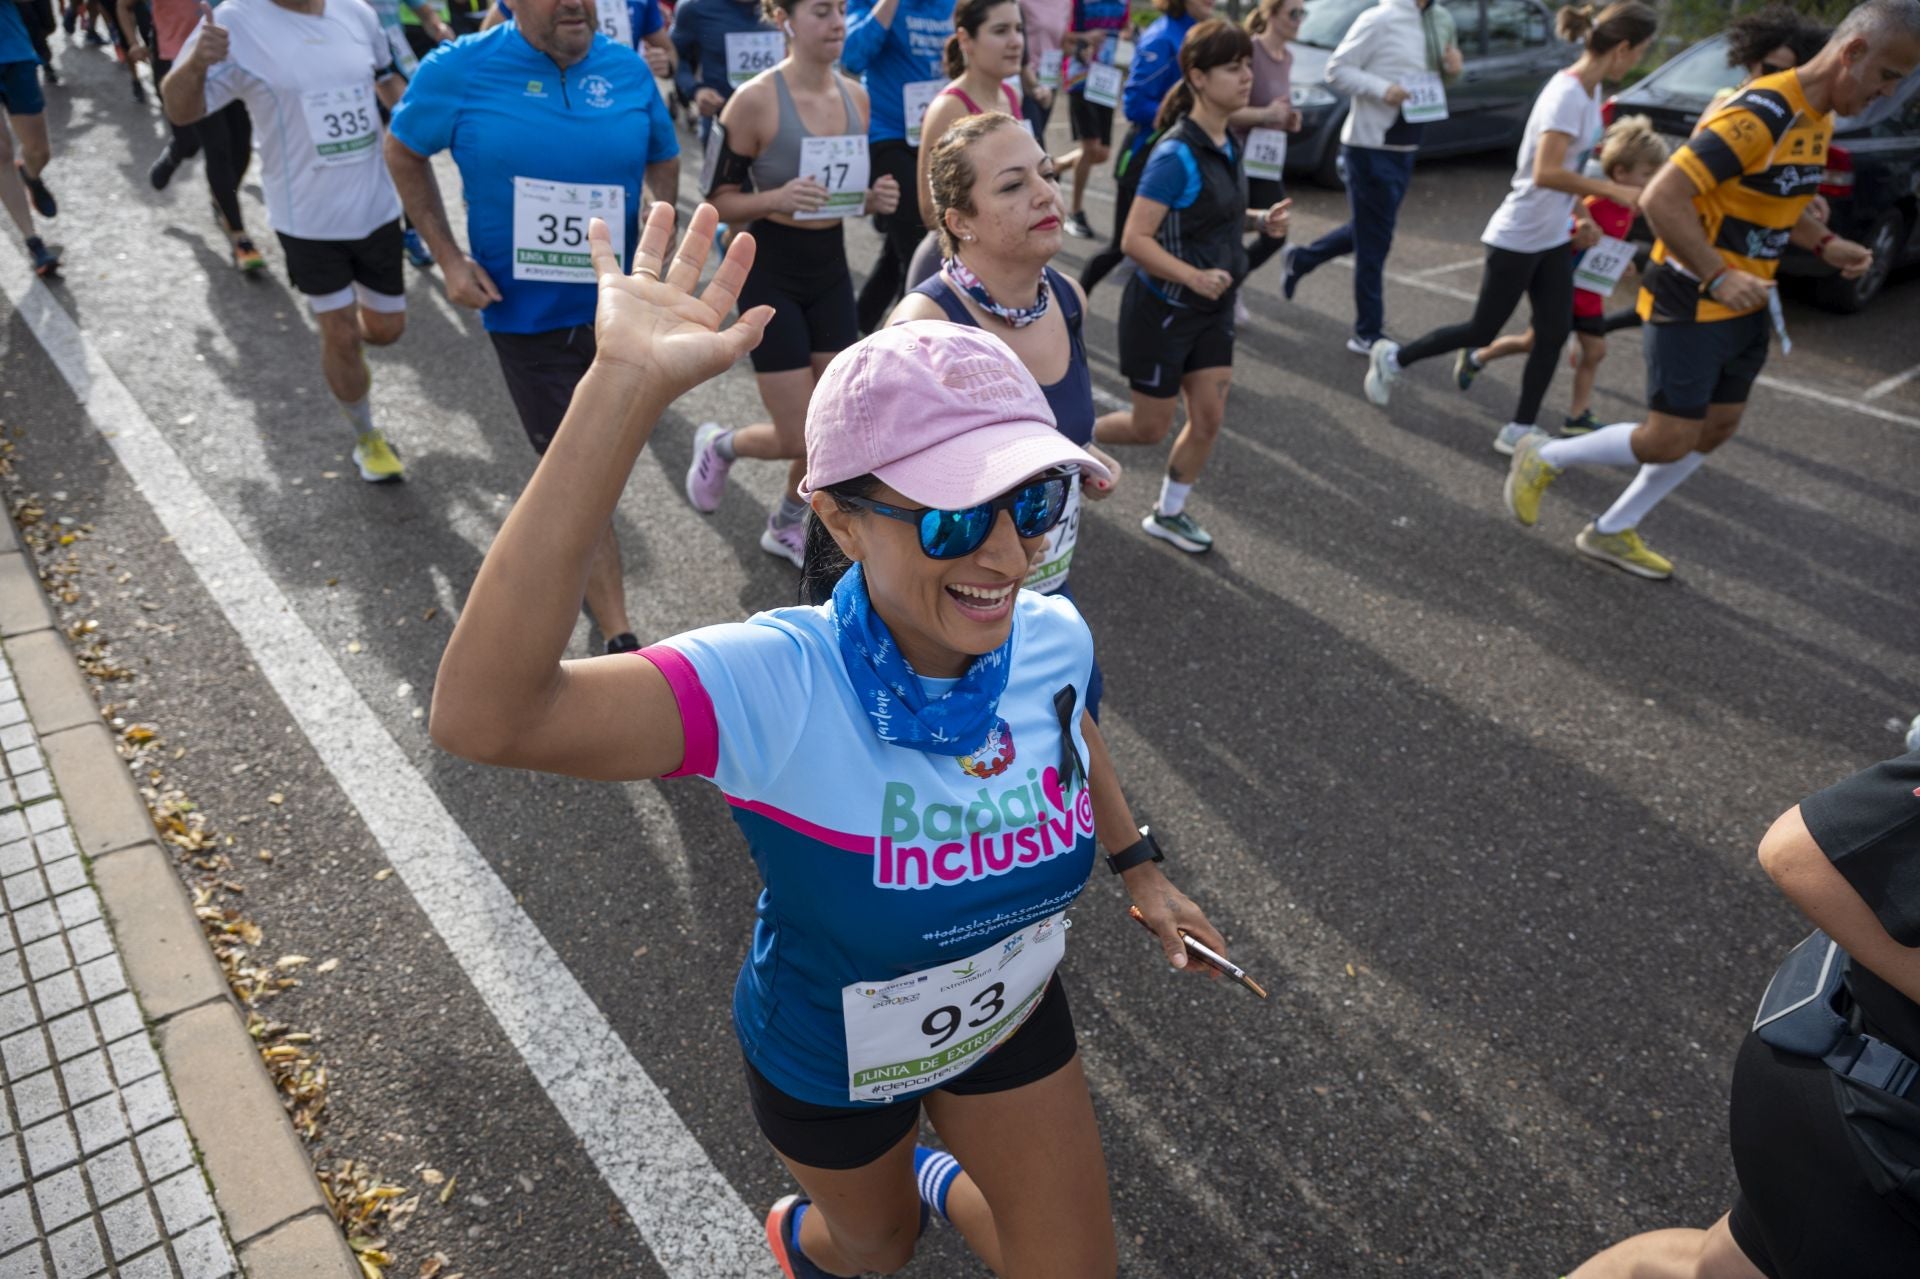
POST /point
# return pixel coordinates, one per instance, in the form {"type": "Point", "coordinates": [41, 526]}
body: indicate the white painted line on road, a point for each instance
{"type": "Point", "coordinates": [1450, 267]}
{"type": "Point", "coordinates": [695, 1224]}
{"type": "Point", "coordinates": [1898, 380]}
{"type": "Point", "coordinates": [1767, 380]}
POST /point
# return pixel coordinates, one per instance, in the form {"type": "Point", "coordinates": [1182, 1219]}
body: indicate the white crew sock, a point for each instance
{"type": "Point", "coordinates": [1608, 446]}
{"type": "Point", "coordinates": [1173, 497]}
{"type": "Point", "coordinates": [359, 414]}
{"type": "Point", "coordinates": [1654, 482]}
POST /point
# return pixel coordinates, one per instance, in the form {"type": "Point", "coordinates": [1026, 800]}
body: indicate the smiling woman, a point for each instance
{"type": "Point", "coordinates": [909, 759]}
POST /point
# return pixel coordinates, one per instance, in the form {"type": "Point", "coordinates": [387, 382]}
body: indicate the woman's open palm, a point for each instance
{"type": "Point", "coordinates": [652, 320]}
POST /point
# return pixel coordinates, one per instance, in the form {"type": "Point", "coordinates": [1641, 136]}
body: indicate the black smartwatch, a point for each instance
{"type": "Point", "coordinates": [1134, 854]}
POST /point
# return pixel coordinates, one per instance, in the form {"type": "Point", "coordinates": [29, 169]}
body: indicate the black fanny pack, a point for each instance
{"type": "Point", "coordinates": [1805, 1012]}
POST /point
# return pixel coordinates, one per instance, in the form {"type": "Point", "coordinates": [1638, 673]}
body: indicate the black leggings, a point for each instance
{"type": "Point", "coordinates": [1126, 175]}
{"type": "Point", "coordinates": [226, 139]}
{"type": "Point", "coordinates": [902, 229]}
{"type": "Point", "coordinates": [1546, 279]}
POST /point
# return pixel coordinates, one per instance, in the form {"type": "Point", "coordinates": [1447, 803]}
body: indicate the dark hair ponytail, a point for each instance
{"type": "Point", "coordinates": [968, 16]}
{"type": "Point", "coordinates": [1213, 43]}
{"type": "Point", "coordinates": [823, 563]}
{"type": "Point", "coordinates": [1628, 22]}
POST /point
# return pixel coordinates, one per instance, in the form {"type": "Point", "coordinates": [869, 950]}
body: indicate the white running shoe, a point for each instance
{"type": "Point", "coordinates": [788, 541]}
{"type": "Point", "coordinates": [1361, 346]}
{"type": "Point", "coordinates": [1510, 436]}
{"type": "Point", "coordinates": [1382, 369]}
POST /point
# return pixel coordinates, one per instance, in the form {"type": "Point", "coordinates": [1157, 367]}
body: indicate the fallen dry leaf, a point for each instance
{"type": "Point", "coordinates": [327, 966]}
{"type": "Point", "coordinates": [290, 961]}
{"type": "Point", "coordinates": [383, 872]}
{"type": "Point", "coordinates": [276, 799]}
{"type": "Point", "coordinates": [446, 1191]}
{"type": "Point", "coordinates": [432, 1176]}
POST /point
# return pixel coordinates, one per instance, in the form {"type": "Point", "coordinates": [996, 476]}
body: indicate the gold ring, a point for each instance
{"type": "Point", "coordinates": [649, 272]}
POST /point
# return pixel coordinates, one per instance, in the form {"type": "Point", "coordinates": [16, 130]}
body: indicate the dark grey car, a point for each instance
{"type": "Point", "coordinates": [1510, 50]}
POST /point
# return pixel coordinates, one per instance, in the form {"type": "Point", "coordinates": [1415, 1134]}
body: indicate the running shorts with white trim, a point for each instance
{"type": "Point", "coordinates": [1161, 343]}
{"type": "Point", "coordinates": [842, 1137]}
{"type": "Point", "coordinates": [324, 269]}
{"type": "Point", "coordinates": [804, 277]}
{"type": "Point", "coordinates": [1692, 364]}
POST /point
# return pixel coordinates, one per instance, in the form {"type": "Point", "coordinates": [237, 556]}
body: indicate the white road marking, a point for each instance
{"type": "Point", "coordinates": [695, 1224]}
{"type": "Point", "coordinates": [1898, 380]}
{"type": "Point", "coordinates": [1450, 267]}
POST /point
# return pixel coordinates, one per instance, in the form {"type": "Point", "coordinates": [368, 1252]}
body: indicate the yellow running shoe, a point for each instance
{"type": "Point", "coordinates": [377, 461]}
{"type": "Point", "coordinates": [1527, 479]}
{"type": "Point", "coordinates": [1624, 550]}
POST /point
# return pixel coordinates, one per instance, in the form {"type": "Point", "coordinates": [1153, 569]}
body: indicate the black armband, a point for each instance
{"type": "Point", "coordinates": [723, 167]}
{"type": "Point", "coordinates": [1146, 850]}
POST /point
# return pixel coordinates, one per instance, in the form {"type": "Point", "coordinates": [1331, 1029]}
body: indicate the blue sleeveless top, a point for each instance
{"type": "Point", "coordinates": [1071, 398]}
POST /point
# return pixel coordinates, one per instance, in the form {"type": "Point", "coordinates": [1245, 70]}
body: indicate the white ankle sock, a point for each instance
{"type": "Point", "coordinates": [1654, 482]}
{"type": "Point", "coordinates": [1608, 446]}
{"type": "Point", "coordinates": [1173, 497]}
{"type": "Point", "coordinates": [359, 414]}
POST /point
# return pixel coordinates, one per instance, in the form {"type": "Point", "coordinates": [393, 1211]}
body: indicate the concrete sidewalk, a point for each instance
{"type": "Point", "coordinates": [140, 1136]}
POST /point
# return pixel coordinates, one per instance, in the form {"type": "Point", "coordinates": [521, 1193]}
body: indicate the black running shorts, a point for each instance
{"type": "Point", "coordinates": [1691, 365]}
{"type": "Point", "coordinates": [1161, 343]}
{"type": "Point", "coordinates": [804, 277]}
{"type": "Point", "coordinates": [541, 370]}
{"type": "Point", "coordinates": [1806, 1209]}
{"type": "Point", "coordinates": [1088, 119]}
{"type": "Point", "coordinates": [319, 268]}
{"type": "Point", "coordinates": [841, 1138]}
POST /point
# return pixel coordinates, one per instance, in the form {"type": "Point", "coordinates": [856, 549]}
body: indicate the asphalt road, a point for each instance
{"type": "Point", "coordinates": [1482, 816]}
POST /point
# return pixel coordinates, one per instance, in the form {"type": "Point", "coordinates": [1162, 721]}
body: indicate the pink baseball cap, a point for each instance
{"type": "Point", "coordinates": [944, 413]}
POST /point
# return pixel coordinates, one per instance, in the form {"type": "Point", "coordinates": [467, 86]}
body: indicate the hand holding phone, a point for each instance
{"type": "Point", "coordinates": [1206, 955]}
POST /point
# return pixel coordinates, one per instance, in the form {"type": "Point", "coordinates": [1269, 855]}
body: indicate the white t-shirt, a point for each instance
{"type": "Point", "coordinates": [1532, 219]}
{"type": "Point", "coordinates": [307, 81]}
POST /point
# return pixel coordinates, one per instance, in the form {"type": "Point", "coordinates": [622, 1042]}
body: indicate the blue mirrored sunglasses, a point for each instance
{"type": "Point", "coordinates": [1036, 507]}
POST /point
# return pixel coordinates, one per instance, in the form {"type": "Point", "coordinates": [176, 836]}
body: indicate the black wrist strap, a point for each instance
{"type": "Point", "coordinates": [1134, 854]}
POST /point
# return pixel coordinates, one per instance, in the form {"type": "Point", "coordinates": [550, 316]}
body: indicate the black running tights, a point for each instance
{"type": "Point", "coordinates": [226, 139]}
{"type": "Point", "coordinates": [1546, 280]}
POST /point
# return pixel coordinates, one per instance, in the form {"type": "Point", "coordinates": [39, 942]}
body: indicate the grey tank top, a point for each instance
{"type": "Point", "coordinates": [779, 162]}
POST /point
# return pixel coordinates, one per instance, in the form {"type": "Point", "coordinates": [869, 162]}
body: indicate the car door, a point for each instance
{"type": "Point", "coordinates": [1521, 51]}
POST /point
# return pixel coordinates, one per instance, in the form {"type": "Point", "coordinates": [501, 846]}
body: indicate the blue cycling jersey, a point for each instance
{"type": "Point", "coordinates": [888, 58]}
{"type": "Point", "coordinates": [506, 111]}
{"type": "Point", "coordinates": [16, 45]}
{"type": "Point", "coordinates": [878, 860]}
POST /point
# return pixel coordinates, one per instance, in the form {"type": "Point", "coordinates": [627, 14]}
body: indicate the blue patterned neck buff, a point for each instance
{"type": "Point", "coordinates": [956, 723]}
{"type": "Point", "coordinates": [1018, 316]}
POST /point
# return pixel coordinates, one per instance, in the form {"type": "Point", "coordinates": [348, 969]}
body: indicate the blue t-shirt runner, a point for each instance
{"type": "Point", "coordinates": [889, 58]}
{"type": "Point", "coordinates": [897, 880]}
{"type": "Point", "coordinates": [541, 150]}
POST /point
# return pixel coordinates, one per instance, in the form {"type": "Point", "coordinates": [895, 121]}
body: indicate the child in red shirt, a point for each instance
{"type": "Point", "coordinates": [1630, 153]}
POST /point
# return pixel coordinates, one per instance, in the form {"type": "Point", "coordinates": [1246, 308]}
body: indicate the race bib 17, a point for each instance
{"type": "Point", "coordinates": [840, 165]}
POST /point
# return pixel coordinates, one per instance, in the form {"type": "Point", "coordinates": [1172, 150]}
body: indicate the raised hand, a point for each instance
{"type": "Point", "coordinates": [654, 323]}
{"type": "Point", "coordinates": [212, 45]}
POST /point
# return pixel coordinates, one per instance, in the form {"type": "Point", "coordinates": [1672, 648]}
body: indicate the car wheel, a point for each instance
{"type": "Point", "coordinates": [1832, 293]}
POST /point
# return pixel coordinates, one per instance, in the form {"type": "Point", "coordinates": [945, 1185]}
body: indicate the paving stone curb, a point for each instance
{"type": "Point", "coordinates": [263, 1182]}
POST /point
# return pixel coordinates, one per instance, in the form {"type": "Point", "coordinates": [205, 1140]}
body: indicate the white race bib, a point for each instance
{"type": "Point", "coordinates": [840, 165]}
{"type": "Point", "coordinates": [1046, 68]}
{"type": "Point", "coordinates": [920, 1030]}
{"type": "Point", "coordinates": [1103, 85]}
{"type": "Point", "coordinates": [616, 24]}
{"type": "Point", "coordinates": [1057, 556]}
{"type": "Point", "coordinates": [1426, 98]}
{"type": "Point", "coordinates": [1266, 153]}
{"type": "Point", "coordinates": [915, 98]}
{"type": "Point", "coordinates": [751, 52]}
{"type": "Point", "coordinates": [1602, 266]}
{"type": "Point", "coordinates": [343, 124]}
{"type": "Point", "coordinates": [550, 228]}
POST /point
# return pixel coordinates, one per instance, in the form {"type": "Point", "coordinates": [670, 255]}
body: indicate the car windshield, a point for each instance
{"type": "Point", "coordinates": [1700, 72]}
{"type": "Point", "coordinates": [1327, 21]}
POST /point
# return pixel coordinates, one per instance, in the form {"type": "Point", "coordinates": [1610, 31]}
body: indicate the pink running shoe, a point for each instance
{"type": "Point", "coordinates": [707, 476]}
{"type": "Point", "coordinates": [789, 541]}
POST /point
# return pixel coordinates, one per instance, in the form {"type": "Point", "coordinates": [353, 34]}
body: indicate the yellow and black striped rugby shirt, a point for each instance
{"type": "Point", "coordinates": [1757, 160]}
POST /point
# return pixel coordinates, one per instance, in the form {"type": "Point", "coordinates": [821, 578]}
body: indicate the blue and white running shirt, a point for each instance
{"type": "Point", "coordinates": [880, 861]}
